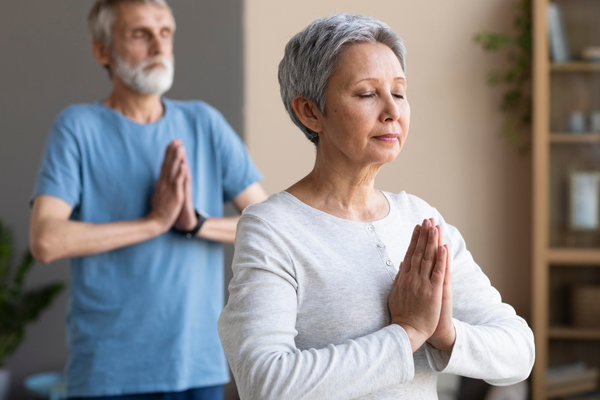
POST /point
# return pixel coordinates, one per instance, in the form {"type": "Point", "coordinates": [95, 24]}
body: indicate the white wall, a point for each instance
{"type": "Point", "coordinates": [454, 158]}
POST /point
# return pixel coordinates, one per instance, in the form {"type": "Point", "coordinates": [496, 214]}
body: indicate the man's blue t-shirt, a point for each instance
{"type": "Point", "coordinates": [143, 318]}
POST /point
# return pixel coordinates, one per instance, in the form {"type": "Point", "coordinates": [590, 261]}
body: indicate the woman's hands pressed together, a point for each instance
{"type": "Point", "coordinates": [421, 296]}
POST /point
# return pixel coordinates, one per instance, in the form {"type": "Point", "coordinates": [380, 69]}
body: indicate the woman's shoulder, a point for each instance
{"type": "Point", "coordinates": [410, 203]}
{"type": "Point", "coordinates": [275, 209]}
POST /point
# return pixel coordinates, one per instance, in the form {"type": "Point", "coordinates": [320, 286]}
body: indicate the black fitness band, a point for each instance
{"type": "Point", "coordinates": [191, 233]}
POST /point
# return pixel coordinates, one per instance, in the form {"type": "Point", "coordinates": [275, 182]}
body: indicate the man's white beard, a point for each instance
{"type": "Point", "coordinates": [155, 81]}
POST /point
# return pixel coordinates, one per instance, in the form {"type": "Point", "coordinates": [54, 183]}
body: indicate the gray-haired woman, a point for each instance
{"type": "Point", "coordinates": [342, 291]}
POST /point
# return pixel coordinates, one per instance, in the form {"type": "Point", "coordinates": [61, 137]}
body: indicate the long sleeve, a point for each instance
{"type": "Point", "coordinates": [257, 329]}
{"type": "Point", "coordinates": [492, 342]}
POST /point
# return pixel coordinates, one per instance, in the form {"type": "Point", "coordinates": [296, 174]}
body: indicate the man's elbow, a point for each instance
{"type": "Point", "coordinates": [40, 248]}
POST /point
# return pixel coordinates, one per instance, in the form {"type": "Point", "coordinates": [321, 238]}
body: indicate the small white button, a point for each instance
{"type": "Point", "coordinates": [380, 245]}
{"type": "Point", "coordinates": [388, 263]}
{"type": "Point", "coordinates": [371, 227]}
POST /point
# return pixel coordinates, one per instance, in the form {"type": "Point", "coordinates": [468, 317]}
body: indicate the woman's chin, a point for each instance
{"type": "Point", "coordinates": [385, 155]}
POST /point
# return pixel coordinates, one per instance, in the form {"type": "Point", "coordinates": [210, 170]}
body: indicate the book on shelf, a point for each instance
{"type": "Point", "coordinates": [557, 35]}
{"type": "Point", "coordinates": [571, 379]}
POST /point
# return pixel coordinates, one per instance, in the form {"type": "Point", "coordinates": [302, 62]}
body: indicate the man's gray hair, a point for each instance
{"type": "Point", "coordinates": [310, 57]}
{"type": "Point", "coordinates": [102, 18]}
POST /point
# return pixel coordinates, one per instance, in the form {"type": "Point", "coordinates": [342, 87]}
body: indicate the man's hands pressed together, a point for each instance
{"type": "Point", "coordinates": [172, 202]}
{"type": "Point", "coordinates": [421, 297]}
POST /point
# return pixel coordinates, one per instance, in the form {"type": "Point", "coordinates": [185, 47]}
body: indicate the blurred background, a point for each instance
{"type": "Point", "coordinates": [227, 53]}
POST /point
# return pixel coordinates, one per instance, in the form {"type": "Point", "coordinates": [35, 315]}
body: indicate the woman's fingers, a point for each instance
{"type": "Point", "coordinates": [411, 248]}
{"type": "Point", "coordinates": [430, 252]}
{"type": "Point", "coordinates": [438, 272]}
{"type": "Point", "coordinates": [448, 273]}
{"type": "Point", "coordinates": [417, 256]}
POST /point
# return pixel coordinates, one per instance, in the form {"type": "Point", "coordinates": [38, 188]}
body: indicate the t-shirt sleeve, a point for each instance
{"type": "Point", "coordinates": [60, 171]}
{"type": "Point", "coordinates": [238, 169]}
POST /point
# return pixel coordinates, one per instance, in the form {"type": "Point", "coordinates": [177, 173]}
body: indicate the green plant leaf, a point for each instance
{"type": "Point", "coordinates": [9, 342]}
{"type": "Point", "coordinates": [516, 103]}
{"type": "Point", "coordinates": [6, 253]}
{"type": "Point", "coordinates": [35, 301]}
{"type": "Point", "coordinates": [18, 308]}
{"type": "Point", "coordinates": [22, 269]}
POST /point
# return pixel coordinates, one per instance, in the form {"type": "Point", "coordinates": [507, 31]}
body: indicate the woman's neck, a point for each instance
{"type": "Point", "coordinates": [343, 189]}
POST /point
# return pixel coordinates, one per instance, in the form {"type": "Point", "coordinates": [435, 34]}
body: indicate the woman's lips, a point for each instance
{"type": "Point", "coordinates": [390, 137]}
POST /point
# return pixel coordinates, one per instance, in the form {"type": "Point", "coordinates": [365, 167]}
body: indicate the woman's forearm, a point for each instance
{"type": "Point", "coordinates": [350, 370]}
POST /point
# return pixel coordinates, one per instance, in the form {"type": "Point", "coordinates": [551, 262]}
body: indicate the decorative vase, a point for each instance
{"type": "Point", "coordinates": [4, 383]}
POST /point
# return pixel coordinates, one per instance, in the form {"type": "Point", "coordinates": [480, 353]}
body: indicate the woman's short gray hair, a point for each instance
{"type": "Point", "coordinates": [101, 18]}
{"type": "Point", "coordinates": [310, 57]}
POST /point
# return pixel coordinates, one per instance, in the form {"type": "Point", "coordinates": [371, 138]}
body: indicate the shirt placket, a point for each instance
{"type": "Point", "coordinates": [386, 260]}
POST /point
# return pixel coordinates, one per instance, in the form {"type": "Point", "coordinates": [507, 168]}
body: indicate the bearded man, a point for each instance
{"type": "Point", "coordinates": [131, 189]}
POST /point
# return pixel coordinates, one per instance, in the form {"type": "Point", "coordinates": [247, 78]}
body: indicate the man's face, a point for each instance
{"type": "Point", "coordinates": [141, 54]}
{"type": "Point", "coordinates": [141, 32]}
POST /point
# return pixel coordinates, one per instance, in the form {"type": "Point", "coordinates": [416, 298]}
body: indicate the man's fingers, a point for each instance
{"type": "Point", "coordinates": [188, 183]}
{"type": "Point", "coordinates": [439, 270]}
{"type": "Point", "coordinates": [179, 158]}
{"type": "Point", "coordinates": [179, 180]}
{"type": "Point", "coordinates": [170, 155]}
{"type": "Point", "coordinates": [411, 248]}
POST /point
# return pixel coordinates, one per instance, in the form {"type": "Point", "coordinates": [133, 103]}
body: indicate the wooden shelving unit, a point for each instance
{"type": "Point", "coordinates": [557, 262]}
{"type": "Point", "coordinates": [560, 137]}
{"type": "Point", "coordinates": [575, 66]}
{"type": "Point", "coordinates": [573, 333]}
{"type": "Point", "coordinates": [574, 257]}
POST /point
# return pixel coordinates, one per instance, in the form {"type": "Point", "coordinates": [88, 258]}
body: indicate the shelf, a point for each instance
{"type": "Point", "coordinates": [574, 333]}
{"type": "Point", "coordinates": [567, 137]}
{"type": "Point", "coordinates": [574, 256]}
{"type": "Point", "coordinates": [575, 66]}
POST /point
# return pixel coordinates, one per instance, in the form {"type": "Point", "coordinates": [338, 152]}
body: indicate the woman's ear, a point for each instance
{"type": "Point", "coordinates": [308, 113]}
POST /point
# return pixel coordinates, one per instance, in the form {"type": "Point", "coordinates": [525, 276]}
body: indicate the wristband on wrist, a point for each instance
{"type": "Point", "coordinates": [201, 217]}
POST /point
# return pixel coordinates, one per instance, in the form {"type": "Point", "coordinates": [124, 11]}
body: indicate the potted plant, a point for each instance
{"type": "Point", "coordinates": [17, 307]}
{"type": "Point", "coordinates": [516, 78]}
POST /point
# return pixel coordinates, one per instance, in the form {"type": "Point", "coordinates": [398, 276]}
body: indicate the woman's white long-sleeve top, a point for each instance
{"type": "Point", "coordinates": [308, 317]}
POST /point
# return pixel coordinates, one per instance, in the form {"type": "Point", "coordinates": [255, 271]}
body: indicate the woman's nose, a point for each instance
{"type": "Point", "coordinates": [391, 109]}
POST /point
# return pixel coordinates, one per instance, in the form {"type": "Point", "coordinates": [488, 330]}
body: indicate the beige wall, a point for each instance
{"type": "Point", "coordinates": [454, 157]}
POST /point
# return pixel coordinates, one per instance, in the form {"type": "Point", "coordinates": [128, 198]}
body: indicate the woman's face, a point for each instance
{"type": "Point", "coordinates": [366, 112]}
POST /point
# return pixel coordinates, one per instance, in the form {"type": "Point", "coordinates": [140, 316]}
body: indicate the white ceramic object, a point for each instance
{"type": "Point", "coordinates": [576, 122]}
{"type": "Point", "coordinates": [4, 383]}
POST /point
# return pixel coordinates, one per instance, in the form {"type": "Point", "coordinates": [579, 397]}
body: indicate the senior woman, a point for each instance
{"type": "Point", "coordinates": [341, 291]}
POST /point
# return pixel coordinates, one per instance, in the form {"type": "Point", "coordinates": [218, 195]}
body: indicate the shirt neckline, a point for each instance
{"type": "Point", "coordinates": [122, 117]}
{"type": "Point", "coordinates": [321, 214]}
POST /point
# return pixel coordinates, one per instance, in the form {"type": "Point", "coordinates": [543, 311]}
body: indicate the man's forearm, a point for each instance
{"type": "Point", "coordinates": [53, 239]}
{"type": "Point", "coordinates": [219, 229]}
